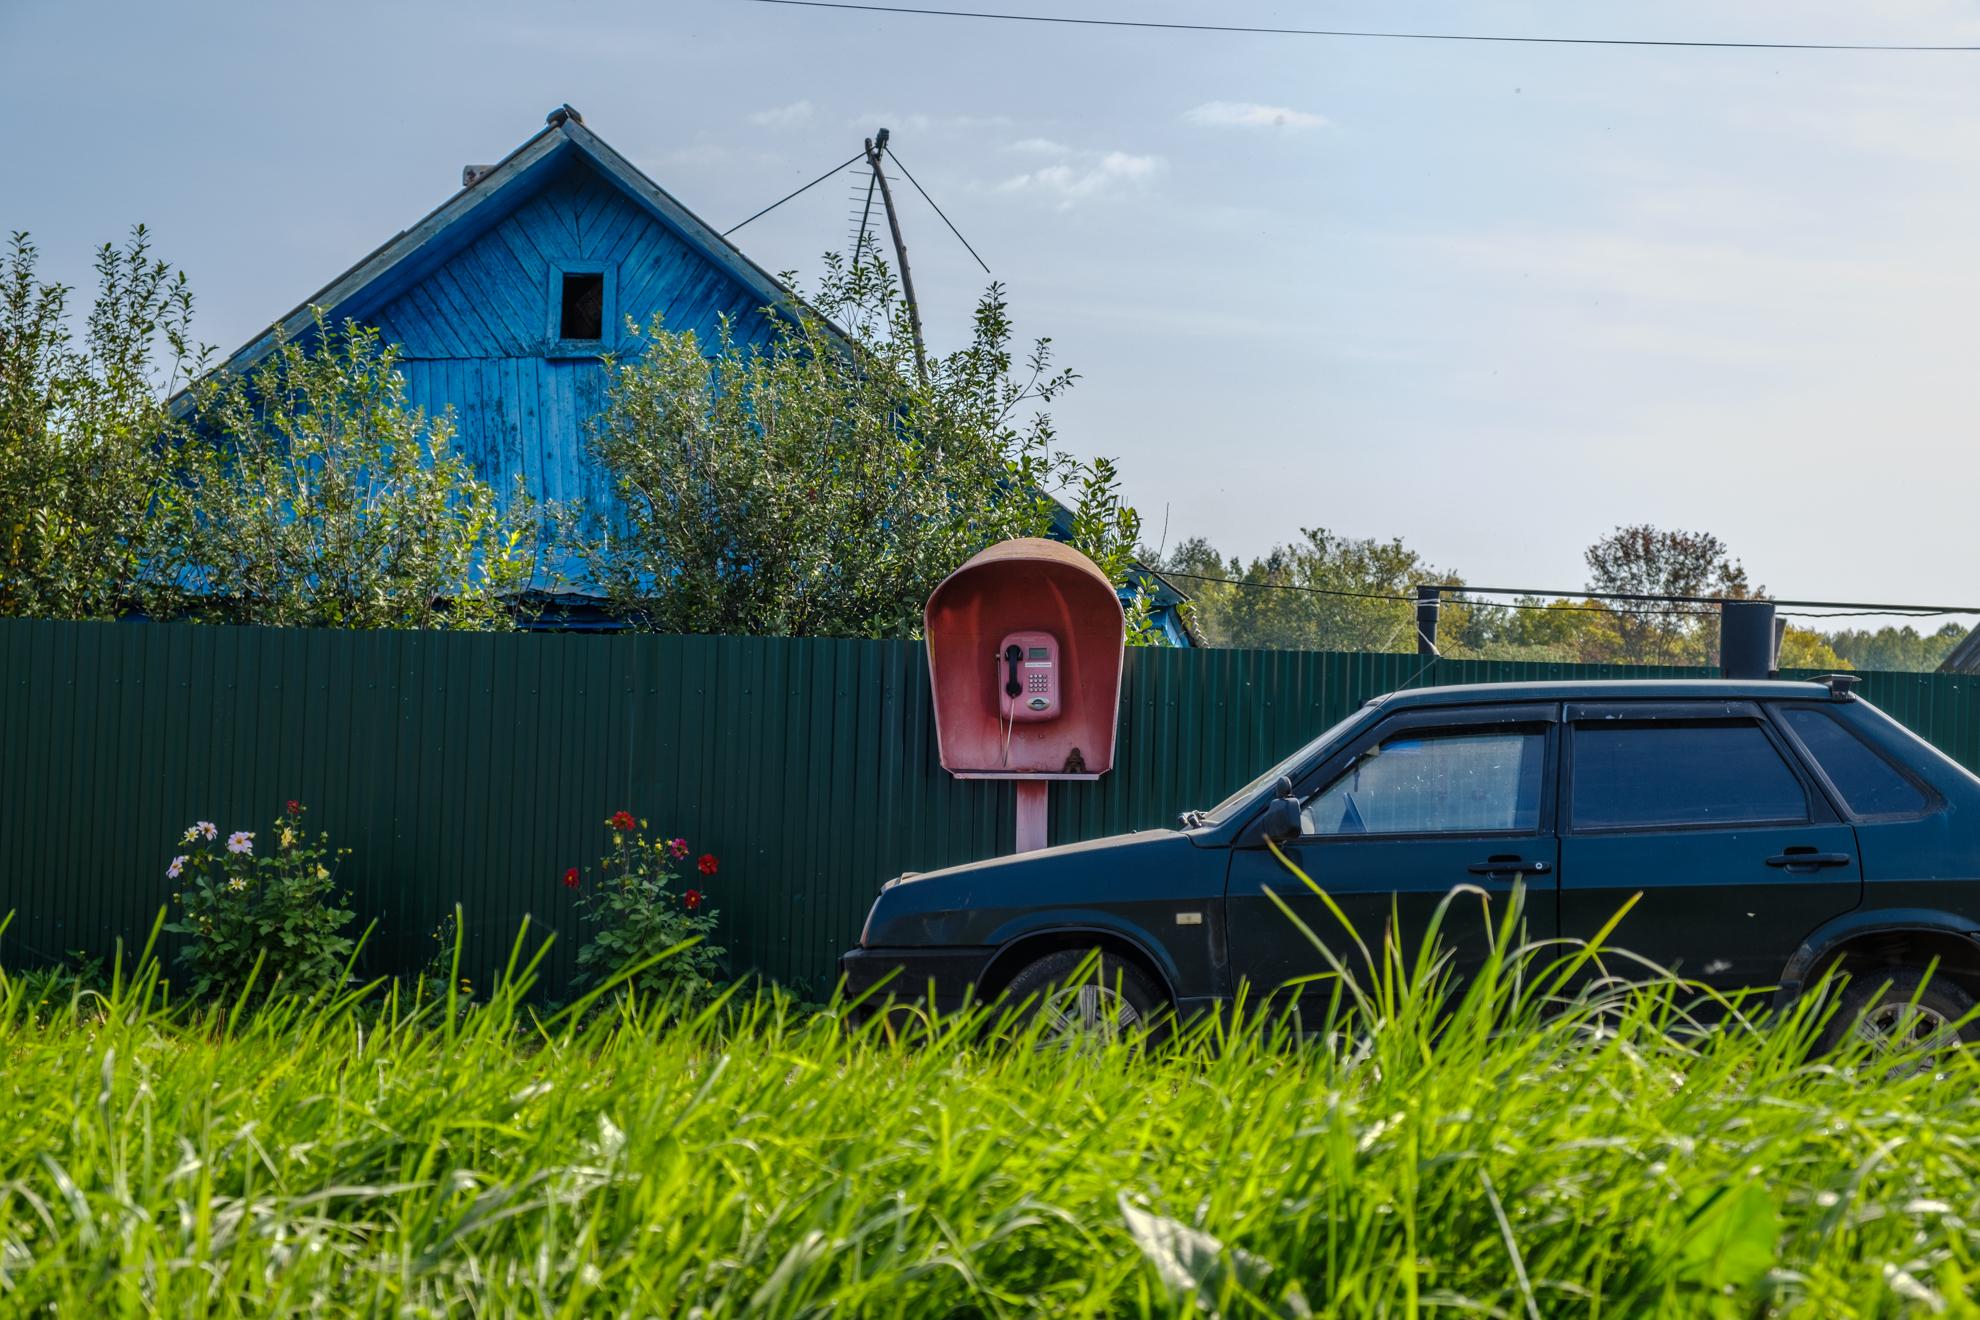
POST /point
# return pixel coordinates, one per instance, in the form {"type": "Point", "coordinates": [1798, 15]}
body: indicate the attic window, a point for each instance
{"type": "Point", "coordinates": [583, 306]}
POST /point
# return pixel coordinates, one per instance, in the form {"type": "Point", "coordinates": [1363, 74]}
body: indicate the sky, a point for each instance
{"type": "Point", "coordinates": [1491, 299]}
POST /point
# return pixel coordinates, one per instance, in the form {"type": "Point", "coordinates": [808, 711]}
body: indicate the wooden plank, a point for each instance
{"type": "Point", "coordinates": [479, 332]}
{"type": "Point", "coordinates": [603, 231]}
{"type": "Point", "coordinates": [512, 306]}
{"type": "Point", "coordinates": [549, 227]}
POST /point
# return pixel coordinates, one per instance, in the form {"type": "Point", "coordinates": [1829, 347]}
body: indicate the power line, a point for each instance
{"type": "Point", "coordinates": [1372, 35]}
{"type": "Point", "coordinates": [1460, 595]}
{"type": "Point", "coordinates": [1456, 598]}
{"type": "Point", "coordinates": [787, 197]}
{"type": "Point", "coordinates": [1859, 606]}
{"type": "Point", "coordinates": [1286, 586]}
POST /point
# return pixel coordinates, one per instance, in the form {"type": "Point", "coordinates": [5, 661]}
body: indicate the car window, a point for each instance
{"type": "Point", "coordinates": [1289, 766]}
{"type": "Point", "coordinates": [1870, 785]}
{"type": "Point", "coordinates": [1632, 776]}
{"type": "Point", "coordinates": [1435, 783]}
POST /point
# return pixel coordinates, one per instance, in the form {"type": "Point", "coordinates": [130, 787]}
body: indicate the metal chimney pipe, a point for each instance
{"type": "Point", "coordinates": [1748, 640]}
{"type": "Point", "coordinates": [1429, 604]}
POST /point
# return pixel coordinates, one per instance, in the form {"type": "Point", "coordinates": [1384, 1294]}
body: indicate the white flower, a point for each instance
{"type": "Point", "coordinates": [192, 832]}
{"type": "Point", "coordinates": [240, 841]}
{"type": "Point", "coordinates": [238, 884]}
{"type": "Point", "coordinates": [178, 865]}
{"type": "Point", "coordinates": [207, 828]}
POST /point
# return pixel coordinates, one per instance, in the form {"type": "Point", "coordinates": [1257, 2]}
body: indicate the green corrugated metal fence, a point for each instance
{"type": "Point", "coordinates": [475, 768]}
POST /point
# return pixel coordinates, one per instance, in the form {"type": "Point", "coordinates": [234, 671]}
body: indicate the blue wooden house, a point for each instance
{"type": "Point", "coordinates": [505, 297]}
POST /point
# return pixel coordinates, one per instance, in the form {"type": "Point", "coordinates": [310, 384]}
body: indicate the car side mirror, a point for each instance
{"type": "Point", "coordinates": [1281, 819]}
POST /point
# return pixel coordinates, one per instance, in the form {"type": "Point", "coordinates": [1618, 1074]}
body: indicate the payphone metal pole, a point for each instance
{"type": "Point", "coordinates": [1031, 814]}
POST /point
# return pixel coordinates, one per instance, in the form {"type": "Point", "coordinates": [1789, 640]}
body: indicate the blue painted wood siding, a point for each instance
{"type": "Point", "coordinates": [477, 331]}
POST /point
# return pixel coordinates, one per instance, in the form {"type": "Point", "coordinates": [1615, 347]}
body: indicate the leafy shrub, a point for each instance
{"type": "Point", "coordinates": [638, 916]}
{"type": "Point", "coordinates": [278, 907]}
{"type": "Point", "coordinates": [94, 519]}
{"type": "Point", "coordinates": [329, 500]}
{"type": "Point", "coordinates": [823, 482]}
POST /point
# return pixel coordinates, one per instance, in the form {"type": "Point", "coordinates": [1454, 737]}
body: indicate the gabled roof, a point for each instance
{"type": "Point", "coordinates": [1964, 658]}
{"type": "Point", "coordinates": [413, 253]}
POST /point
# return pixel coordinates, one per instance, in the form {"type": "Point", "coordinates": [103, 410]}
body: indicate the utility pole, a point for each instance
{"type": "Point", "coordinates": [874, 146]}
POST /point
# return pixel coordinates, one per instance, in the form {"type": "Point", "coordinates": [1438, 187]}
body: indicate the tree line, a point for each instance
{"type": "Point", "coordinates": [1327, 592]}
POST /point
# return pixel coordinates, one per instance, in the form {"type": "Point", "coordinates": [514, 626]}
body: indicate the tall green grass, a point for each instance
{"type": "Point", "coordinates": [1485, 1151]}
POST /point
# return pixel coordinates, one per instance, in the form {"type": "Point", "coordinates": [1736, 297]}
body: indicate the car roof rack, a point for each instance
{"type": "Point", "coordinates": [1840, 685]}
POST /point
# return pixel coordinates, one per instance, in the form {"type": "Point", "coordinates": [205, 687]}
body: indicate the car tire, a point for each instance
{"type": "Point", "coordinates": [1085, 1006]}
{"type": "Point", "coordinates": [1878, 1007]}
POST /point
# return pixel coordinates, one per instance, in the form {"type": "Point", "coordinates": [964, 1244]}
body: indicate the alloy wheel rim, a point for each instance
{"type": "Point", "coordinates": [1899, 1026]}
{"type": "Point", "coordinates": [1085, 1015]}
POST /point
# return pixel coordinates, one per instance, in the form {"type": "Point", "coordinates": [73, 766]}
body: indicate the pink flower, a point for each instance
{"type": "Point", "coordinates": [240, 841]}
{"type": "Point", "coordinates": [178, 865]}
{"type": "Point", "coordinates": [679, 848]}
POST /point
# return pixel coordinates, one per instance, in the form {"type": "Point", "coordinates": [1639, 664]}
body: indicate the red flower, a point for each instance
{"type": "Point", "coordinates": [708, 863]}
{"type": "Point", "coordinates": [571, 878]}
{"type": "Point", "coordinates": [692, 898]}
{"type": "Point", "coordinates": [295, 807]}
{"type": "Point", "coordinates": [623, 820]}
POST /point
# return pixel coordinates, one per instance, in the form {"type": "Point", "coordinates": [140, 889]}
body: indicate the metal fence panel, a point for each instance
{"type": "Point", "coordinates": [474, 768]}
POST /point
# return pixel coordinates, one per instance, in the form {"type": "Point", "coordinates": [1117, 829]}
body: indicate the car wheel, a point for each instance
{"type": "Point", "coordinates": [1899, 1009]}
{"type": "Point", "coordinates": [1079, 1005]}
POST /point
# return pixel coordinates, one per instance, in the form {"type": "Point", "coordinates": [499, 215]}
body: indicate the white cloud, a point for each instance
{"type": "Point", "coordinates": [1089, 174]}
{"type": "Point", "coordinates": [1038, 146]}
{"type": "Point", "coordinates": [783, 116]}
{"type": "Point", "coordinates": [1250, 114]}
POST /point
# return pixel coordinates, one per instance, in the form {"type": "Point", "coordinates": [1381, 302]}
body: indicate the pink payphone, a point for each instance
{"type": "Point", "coordinates": [1025, 648]}
{"type": "Point", "coordinates": [1031, 686]}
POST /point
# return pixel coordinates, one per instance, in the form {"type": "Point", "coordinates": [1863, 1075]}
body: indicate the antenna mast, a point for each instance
{"type": "Point", "coordinates": [874, 146]}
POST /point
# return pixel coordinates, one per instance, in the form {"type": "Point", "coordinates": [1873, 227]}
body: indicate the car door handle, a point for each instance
{"type": "Point", "coordinates": [1508, 866]}
{"type": "Point", "coordinates": [1812, 860]}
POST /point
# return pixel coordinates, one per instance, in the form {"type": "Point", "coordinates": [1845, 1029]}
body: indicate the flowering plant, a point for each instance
{"type": "Point", "coordinates": [637, 915]}
{"type": "Point", "coordinates": [270, 896]}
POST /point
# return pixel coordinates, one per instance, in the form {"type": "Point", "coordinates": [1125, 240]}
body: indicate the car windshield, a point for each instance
{"type": "Point", "coordinates": [1223, 809]}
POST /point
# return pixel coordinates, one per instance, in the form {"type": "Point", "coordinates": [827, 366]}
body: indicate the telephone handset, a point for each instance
{"type": "Point", "coordinates": [1028, 677]}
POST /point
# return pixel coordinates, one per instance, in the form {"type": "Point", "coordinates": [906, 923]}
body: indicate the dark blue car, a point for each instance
{"type": "Point", "coordinates": [1773, 829]}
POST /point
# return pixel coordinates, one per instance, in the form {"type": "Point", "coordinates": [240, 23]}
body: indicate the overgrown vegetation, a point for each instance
{"type": "Point", "coordinates": [820, 485]}
{"type": "Point", "coordinates": [307, 493]}
{"type": "Point", "coordinates": [1473, 1153]}
{"type": "Point", "coordinates": [93, 522]}
{"type": "Point", "coordinates": [325, 498]}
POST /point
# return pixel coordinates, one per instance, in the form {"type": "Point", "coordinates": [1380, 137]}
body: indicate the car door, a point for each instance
{"type": "Point", "coordinates": [1705, 810]}
{"type": "Point", "coordinates": [1423, 802]}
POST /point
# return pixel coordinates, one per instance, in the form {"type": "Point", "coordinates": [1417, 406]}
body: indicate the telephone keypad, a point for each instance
{"type": "Point", "coordinates": [1036, 682]}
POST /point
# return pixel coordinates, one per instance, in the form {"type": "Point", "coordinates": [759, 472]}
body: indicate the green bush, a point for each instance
{"type": "Point", "coordinates": [638, 917]}
{"type": "Point", "coordinates": [265, 916]}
